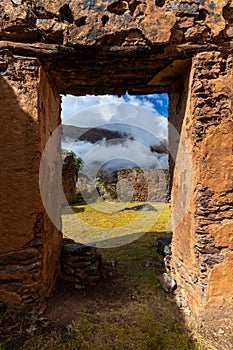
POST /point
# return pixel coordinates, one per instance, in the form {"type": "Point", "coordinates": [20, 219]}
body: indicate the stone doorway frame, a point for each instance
{"type": "Point", "coordinates": [31, 260]}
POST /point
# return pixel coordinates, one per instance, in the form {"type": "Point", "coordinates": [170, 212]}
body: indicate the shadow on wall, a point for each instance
{"type": "Point", "coordinates": [24, 224]}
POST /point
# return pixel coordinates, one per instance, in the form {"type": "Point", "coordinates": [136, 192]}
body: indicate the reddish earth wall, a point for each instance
{"type": "Point", "coordinates": [29, 112]}
{"type": "Point", "coordinates": [202, 253]}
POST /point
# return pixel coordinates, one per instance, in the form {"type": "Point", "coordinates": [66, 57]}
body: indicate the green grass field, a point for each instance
{"type": "Point", "coordinates": [102, 224]}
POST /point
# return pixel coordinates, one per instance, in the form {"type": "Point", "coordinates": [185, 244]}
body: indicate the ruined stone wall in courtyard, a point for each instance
{"type": "Point", "coordinates": [143, 185]}
{"type": "Point", "coordinates": [181, 47]}
{"type": "Point", "coordinates": [69, 178]}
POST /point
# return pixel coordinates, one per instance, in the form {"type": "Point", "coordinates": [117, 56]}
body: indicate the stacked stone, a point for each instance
{"type": "Point", "coordinates": [80, 264]}
{"type": "Point", "coordinates": [143, 184]}
{"type": "Point", "coordinates": [22, 265]}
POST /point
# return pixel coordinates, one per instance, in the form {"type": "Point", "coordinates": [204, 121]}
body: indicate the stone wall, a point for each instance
{"type": "Point", "coordinates": [143, 185]}
{"type": "Point", "coordinates": [140, 47]}
{"type": "Point", "coordinates": [69, 179]}
{"type": "Point", "coordinates": [80, 265]}
{"type": "Point", "coordinates": [29, 112]}
{"type": "Point", "coordinates": [94, 47]}
{"type": "Point", "coordinates": [202, 210]}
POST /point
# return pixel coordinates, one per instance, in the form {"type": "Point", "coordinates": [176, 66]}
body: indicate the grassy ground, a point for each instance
{"type": "Point", "coordinates": [102, 224]}
{"type": "Point", "coordinates": [128, 312]}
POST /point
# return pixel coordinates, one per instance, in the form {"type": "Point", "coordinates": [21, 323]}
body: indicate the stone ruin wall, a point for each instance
{"type": "Point", "coordinates": [204, 274]}
{"type": "Point", "coordinates": [30, 244]}
{"type": "Point", "coordinates": [181, 47]}
{"type": "Point", "coordinates": [69, 179]}
{"type": "Point", "coordinates": [143, 185]}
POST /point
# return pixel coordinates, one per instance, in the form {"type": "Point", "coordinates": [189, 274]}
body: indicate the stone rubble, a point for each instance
{"type": "Point", "coordinates": [163, 247]}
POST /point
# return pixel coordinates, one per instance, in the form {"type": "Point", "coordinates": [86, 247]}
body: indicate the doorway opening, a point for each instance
{"type": "Point", "coordinates": [120, 151]}
{"type": "Point", "coordinates": [116, 220]}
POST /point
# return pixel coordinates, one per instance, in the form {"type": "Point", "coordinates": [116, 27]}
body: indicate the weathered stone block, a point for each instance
{"type": "Point", "coordinates": [167, 283]}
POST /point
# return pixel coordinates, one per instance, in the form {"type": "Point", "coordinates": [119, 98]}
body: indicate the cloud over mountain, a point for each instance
{"type": "Point", "coordinates": [121, 133]}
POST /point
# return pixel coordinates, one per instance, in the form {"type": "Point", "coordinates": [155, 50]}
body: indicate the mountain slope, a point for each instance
{"type": "Point", "coordinates": [92, 135]}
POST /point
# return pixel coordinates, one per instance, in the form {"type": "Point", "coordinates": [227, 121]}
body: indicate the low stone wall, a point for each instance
{"type": "Point", "coordinates": [69, 179]}
{"type": "Point", "coordinates": [143, 185]}
{"type": "Point", "coordinates": [80, 264]}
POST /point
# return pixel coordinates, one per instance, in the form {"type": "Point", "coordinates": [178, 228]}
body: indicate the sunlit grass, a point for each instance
{"type": "Point", "coordinates": [101, 221]}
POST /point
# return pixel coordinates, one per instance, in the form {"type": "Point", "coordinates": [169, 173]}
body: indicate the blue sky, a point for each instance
{"type": "Point", "coordinates": [159, 102]}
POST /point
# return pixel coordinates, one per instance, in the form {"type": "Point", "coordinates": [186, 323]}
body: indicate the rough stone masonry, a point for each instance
{"type": "Point", "coordinates": [181, 47]}
{"type": "Point", "coordinates": [143, 185]}
{"type": "Point", "coordinates": [69, 179]}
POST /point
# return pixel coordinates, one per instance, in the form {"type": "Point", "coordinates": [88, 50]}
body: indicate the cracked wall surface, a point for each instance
{"type": "Point", "coordinates": [184, 48]}
{"type": "Point", "coordinates": [139, 45]}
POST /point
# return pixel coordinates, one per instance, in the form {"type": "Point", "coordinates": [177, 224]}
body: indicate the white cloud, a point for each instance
{"type": "Point", "coordinates": [130, 115]}
{"type": "Point", "coordinates": [106, 151]}
{"type": "Point", "coordinates": [81, 148]}
{"type": "Point", "coordinates": [72, 105]}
